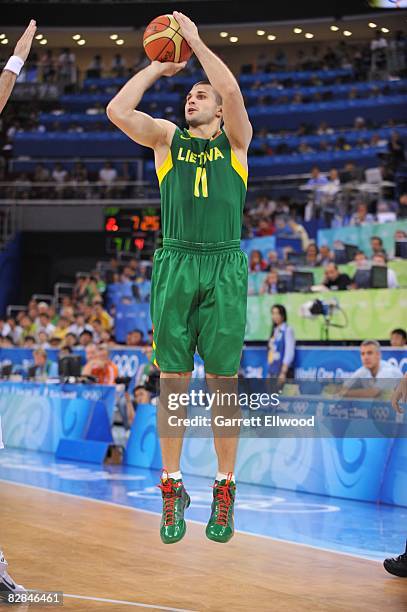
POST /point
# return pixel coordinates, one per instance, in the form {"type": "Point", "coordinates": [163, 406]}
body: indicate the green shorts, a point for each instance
{"type": "Point", "coordinates": [199, 300]}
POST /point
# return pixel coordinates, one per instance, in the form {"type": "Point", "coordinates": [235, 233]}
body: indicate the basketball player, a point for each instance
{"type": "Point", "coordinates": [199, 284]}
{"type": "Point", "coordinates": [7, 79]}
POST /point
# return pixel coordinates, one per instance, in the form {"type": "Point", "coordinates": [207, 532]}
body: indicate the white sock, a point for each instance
{"type": "Point", "coordinates": [221, 476]}
{"type": "Point", "coordinates": [175, 475]}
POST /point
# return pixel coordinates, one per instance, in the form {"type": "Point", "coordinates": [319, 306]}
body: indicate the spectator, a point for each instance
{"type": "Point", "coordinates": [29, 342]}
{"type": "Point", "coordinates": [27, 328]}
{"type": "Point", "coordinates": [107, 178]}
{"type": "Point", "coordinates": [376, 244]}
{"type": "Point", "coordinates": [43, 368]}
{"type": "Point", "coordinates": [398, 338]}
{"type": "Point", "coordinates": [95, 68]}
{"type": "Point", "coordinates": [281, 346]}
{"type": "Point", "coordinates": [361, 215]}
{"type": "Point", "coordinates": [61, 328]}
{"type": "Point", "coordinates": [97, 329]}
{"type": "Point", "coordinates": [379, 259]}
{"type": "Point", "coordinates": [361, 383]}
{"type": "Point", "coordinates": [70, 340]}
{"type": "Point", "coordinates": [335, 280]}
{"type": "Point", "coordinates": [101, 367]}
{"type": "Point", "coordinates": [44, 324]}
{"type": "Point", "coordinates": [257, 263]}
{"type": "Point", "coordinates": [135, 338]}
{"type": "Point", "coordinates": [98, 312]}
{"type": "Point", "coordinates": [67, 74]}
{"type": "Point", "coordinates": [118, 66]}
{"type": "Point", "coordinates": [325, 255]}
{"type": "Point", "coordinates": [396, 151]}
{"type": "Point", "coordinates": [270, 283]}
{"type": "Point", "coordinates": [265, 228]}
{"type": "Point", "coordinates": [311, 255]}
{"type": "Point", "coordinates": [79, 325]}
{"type": "Point", "coordinates": [85, 338]}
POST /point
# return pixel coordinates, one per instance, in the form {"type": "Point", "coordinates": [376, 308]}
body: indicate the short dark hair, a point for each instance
{"type": "Point", "coordinates": [377, 238]}
{"type": "Point", "coordinates": [218, 97]}
{"type": "Point", "coordinates": [400, 332]}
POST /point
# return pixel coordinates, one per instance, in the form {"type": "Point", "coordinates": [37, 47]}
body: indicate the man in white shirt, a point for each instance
{"type": "Point", "coordinates": [370, 380]}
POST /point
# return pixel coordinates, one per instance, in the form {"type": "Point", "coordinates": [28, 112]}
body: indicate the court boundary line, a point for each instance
{"type": "Point", "coordinates": [135, 604]}
{"type": "Point", "coordinates": [247, 533]}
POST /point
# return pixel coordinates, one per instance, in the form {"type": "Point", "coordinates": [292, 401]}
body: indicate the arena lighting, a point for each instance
{"type": "Point", "coordinates": [4, 41]}
{"type": "Point", "coordinates": [120, 41]}
{"type": "Point", "coordinates": [372, 25]}
{"type": "Point", "coordinates": [81, 42]}
{"type": "Point", "coordinates": [76, 36]}
{"type": "Point", "coordinates": [233, 39]}
{"type": "Point", "coordinates": [2, 36]}
{"type": "Point", "coordinates": [114, 36]}
{"type": "Point", "coordinates": [347, 33]}
{"type": "Point", "coordinates": [271, 37]}
{"type": "Point", "coordinates": [39, 36]}
{"type": "Point", "coordinates": [297, 30]}
{"type": "Point", "coordinates": [308, 35]}
{"type": "Point", "coordinates": [260, 32]}
{"type": "Point", "coordinates": [43, 41]}
{"type": "Point", "coordinates": [385, 30]}
{"type": "Point", "coordinates": [223, 34]}
{"type": "Point", "coordinates": [334, 28]}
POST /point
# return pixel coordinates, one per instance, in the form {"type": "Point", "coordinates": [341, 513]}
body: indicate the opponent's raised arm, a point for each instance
{"type": "Point", "coordinates": [235, 117]}
{"type": "Point", "coordinates": [13, 67]}
{"type": "Point", "coordinates": [137, 125]}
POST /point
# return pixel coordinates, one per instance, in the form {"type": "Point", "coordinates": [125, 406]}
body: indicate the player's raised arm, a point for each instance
{"type": "Point", "coordinates": [13, 67]}
{"type": "Point", "coordinates": [137, 125]}
{"type": "Point", "coordinates": [235, 117]}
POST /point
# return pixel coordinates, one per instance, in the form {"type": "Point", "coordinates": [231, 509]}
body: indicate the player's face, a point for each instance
{"type": "Point", "coordinates": [370, 356]}
{"type": "Point", "coordinates": [200, 106]}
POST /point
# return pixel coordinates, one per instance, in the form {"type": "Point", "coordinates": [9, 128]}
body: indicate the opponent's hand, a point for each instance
{"type": "Point", "coordinates": [168, 69]}
{"type": "Point", "coordinates": [23, 46]}
{"type": "Point", "coordinates": [188, 29]}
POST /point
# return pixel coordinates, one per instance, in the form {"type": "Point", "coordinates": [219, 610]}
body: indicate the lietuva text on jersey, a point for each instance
{"type": "Point", "coordinates": [203, 189]}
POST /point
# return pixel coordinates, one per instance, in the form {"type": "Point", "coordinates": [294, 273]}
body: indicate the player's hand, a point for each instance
{"type": "Point", "coordinates": [168, 69]}
{"type": "Point", "coordinates": [399, 395]}
{"type": "Point", "coordinates": [188, 29]}
{"type": "Point", "coordinates": [23, 46]}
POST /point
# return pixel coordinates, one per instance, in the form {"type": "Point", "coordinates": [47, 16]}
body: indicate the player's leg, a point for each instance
{"type": "Point", "coordinates": [222, 321]}
{"type": "Point", "coordinates": [172, 312]}
{"type": "Point", "coordinates": [7, 584]}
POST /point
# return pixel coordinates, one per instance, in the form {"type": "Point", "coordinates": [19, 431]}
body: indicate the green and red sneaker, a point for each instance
{"type": "Point", "coordinates": [175, 500]}
{"type": "Point", "coordinates": [220, 527]}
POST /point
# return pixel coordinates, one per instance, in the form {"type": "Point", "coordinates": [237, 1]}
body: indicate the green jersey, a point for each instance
{"type": "Point", "coordinates": [203, 189]}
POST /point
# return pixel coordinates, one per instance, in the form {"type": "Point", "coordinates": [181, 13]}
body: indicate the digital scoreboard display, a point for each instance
{"type": "Point", "coordinates": [132, 230]}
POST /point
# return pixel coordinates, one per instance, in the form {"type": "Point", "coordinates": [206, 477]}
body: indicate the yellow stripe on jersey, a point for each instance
{"type": "Point", "coordinates": [238, 167]}
{"type": "Point", "coordinates": [165, 167]}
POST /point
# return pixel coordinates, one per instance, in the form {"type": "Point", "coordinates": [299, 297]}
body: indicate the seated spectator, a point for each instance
{"type": "Point", "coordinates": [61, 328]}
{"type": "Point", "coordinates": [361, 383]}
{"type": "Point", "coordinates": [42, 340]}
{"type": "Point", "coordinates": [95, 68]}
{"type": "Point", "coordinates": [107, 178]}
{"type": "Point", "coordinates": [44, 324]}
{"type": "Point", "coordinates": [79, 325]}
{"type": "Point", "coordinates": [70, 340]}
{"type": "Point", "coordinates": [325, 255]}
{"type": "Point", "coordinates": [100, 366]}
{"type": "Point", "coordinates": [361, 215]}
{"type": "Point", "coordinates": [29, 342]}
{"type": "Point", "coordinates": [311, 255]}
{"type": "Point", "coordinates": [85, 338]}
{"type": "Point", "coordinates": [265, 228]}
{"type": "Point", "coordinates": [27, 328]}
{"type": "Point", "coordinates": [376, 244]}
{"type": "Point", "coordinates": [379, 259]}
{"type": "Point", "coordinates": [270, 283]}
{"type": "Point", "coordinates": [43, 368]}
{"type": "Point", "coordinates": [257, 263]}
{"type": "Point", "coordinates": [118, 66]}
{"type": "Point", "coordinates": [135, 338]}
{"type": "Point", "coordinates": [98, 312]}
{"type": "Point", "coordinates": [335, 280]}
{"type": "Point", "coordinates": [398, 338]}
{"type": "Point", "coordinates": [97, 329]}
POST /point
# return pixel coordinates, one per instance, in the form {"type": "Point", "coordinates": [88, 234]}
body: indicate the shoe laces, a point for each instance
{"type": "Point", "coordinates": [224, 499]}
{"type": "Point", "coordinates": [170, 491]}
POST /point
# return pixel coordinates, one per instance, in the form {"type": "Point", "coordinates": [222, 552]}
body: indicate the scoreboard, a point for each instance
{"type": "Point", "coordinates": [132, 230]}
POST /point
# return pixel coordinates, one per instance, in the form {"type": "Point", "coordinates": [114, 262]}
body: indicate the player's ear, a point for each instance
{"type": "Point", "coordinates": [219, 112]}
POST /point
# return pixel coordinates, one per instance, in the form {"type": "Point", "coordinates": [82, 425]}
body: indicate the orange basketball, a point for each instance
{"type": "Point", "coordinates": [163, 41]}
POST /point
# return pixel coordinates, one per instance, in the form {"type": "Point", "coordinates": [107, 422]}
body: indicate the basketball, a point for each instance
{"type": "Point", "coordinates": [163, 42]}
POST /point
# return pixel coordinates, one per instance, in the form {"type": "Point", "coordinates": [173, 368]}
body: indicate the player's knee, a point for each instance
{"type": "Point", "coordinates": [175, 374]}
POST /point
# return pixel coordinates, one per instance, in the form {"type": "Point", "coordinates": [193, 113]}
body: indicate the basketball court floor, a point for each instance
{"type": "Point", "coordinates": [93, 533]}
